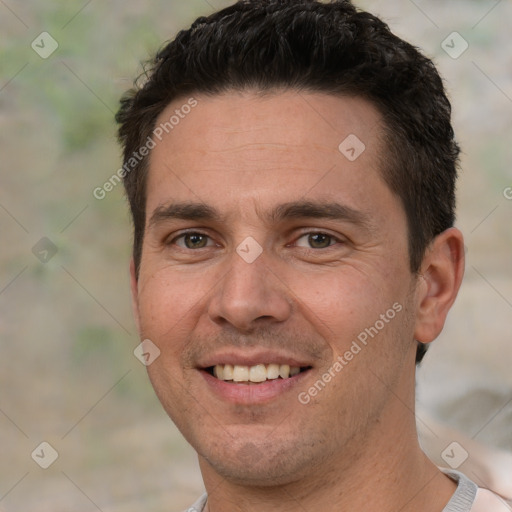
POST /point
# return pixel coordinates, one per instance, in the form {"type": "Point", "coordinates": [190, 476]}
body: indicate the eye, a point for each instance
{"type": "Point", "coordinates": [191, 240]}
{"type": "Point", "coordinates": [317, 240]}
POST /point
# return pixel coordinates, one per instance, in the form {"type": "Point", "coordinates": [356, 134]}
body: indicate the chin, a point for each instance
{"type": "Point", "coordinates": [269, 463]}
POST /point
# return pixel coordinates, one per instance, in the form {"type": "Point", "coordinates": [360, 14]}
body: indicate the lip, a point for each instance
{"type": "Point", "coordinates": [252, 358]}
{"type": "Point", "coordinates": [252, 393]}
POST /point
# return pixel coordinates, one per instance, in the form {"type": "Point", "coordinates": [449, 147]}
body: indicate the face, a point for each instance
{"type": "Point", "coordinates": [268, 247]}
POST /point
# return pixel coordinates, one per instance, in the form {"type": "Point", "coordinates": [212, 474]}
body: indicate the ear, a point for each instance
{"type": "Point", "coordinates": [134, 285]}
{"type": "Point", "coordinates": [441, 274]}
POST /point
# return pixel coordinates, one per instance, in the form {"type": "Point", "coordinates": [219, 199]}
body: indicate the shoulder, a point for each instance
{"type": "Point", "coordinates": [468, 497]}
{"type": "Point", "coordinates": [487, 501]}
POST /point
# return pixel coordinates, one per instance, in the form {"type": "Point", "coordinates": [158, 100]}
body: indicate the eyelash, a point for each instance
{"type": "Point", "coordinates": [307, 233]}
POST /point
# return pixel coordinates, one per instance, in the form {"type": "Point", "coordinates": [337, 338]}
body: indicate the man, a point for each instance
{"type": "Point", "coordinates": [291, 167]}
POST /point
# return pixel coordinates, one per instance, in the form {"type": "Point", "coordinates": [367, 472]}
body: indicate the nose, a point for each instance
{"type": "Point", "coordinates": [250, 295]}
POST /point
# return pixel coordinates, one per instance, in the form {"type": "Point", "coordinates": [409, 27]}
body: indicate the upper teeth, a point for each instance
{"type": "Point", "coordinates": [256, 373]}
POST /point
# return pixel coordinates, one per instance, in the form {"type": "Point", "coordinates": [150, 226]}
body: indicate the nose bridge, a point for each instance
{"type": "Point", "coordinates": [249, 290]}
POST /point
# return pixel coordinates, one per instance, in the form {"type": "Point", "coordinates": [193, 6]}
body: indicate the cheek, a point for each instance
{"type": "Point", "coordinates": [345, 301]}
{"type": "Point", "coordinates": [168, 304]}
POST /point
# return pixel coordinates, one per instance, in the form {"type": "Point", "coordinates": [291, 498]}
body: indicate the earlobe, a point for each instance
{"type": "Point", "coordinates": [135, 294]}
{"type": "Point", "coordinates": [441, 276]}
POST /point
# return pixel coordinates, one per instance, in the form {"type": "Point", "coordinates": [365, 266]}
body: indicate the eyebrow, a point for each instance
{"type": "Point", "coordinates": [293, 210]}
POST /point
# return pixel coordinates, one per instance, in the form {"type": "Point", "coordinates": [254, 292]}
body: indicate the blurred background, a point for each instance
{"type": "Point", "coordinates": [68, 375]}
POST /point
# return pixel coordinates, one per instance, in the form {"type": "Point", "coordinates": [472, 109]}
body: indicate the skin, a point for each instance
{"type": "Point", "coordinates": [354, 445]}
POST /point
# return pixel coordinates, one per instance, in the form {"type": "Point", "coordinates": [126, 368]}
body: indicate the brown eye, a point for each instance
{"type": "Point", "coordinates": [191, 241]}
{"type": "Point", "coordinates": [319, 240]}
{"type": "Point", "coordinates": [316, 240]}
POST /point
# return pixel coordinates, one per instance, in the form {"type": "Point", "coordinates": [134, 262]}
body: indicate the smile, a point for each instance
{"type": "Point", "coordinates": [254, 374]}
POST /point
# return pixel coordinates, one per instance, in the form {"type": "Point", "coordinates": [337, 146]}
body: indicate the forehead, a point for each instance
{"type": "Point", "coordinates": [244, 146]}
{"type": "Point", "coordinates": [286, 117]}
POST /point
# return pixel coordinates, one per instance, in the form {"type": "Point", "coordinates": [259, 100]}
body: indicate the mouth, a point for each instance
{"type": "Point", "coordinates": [255, 374]}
